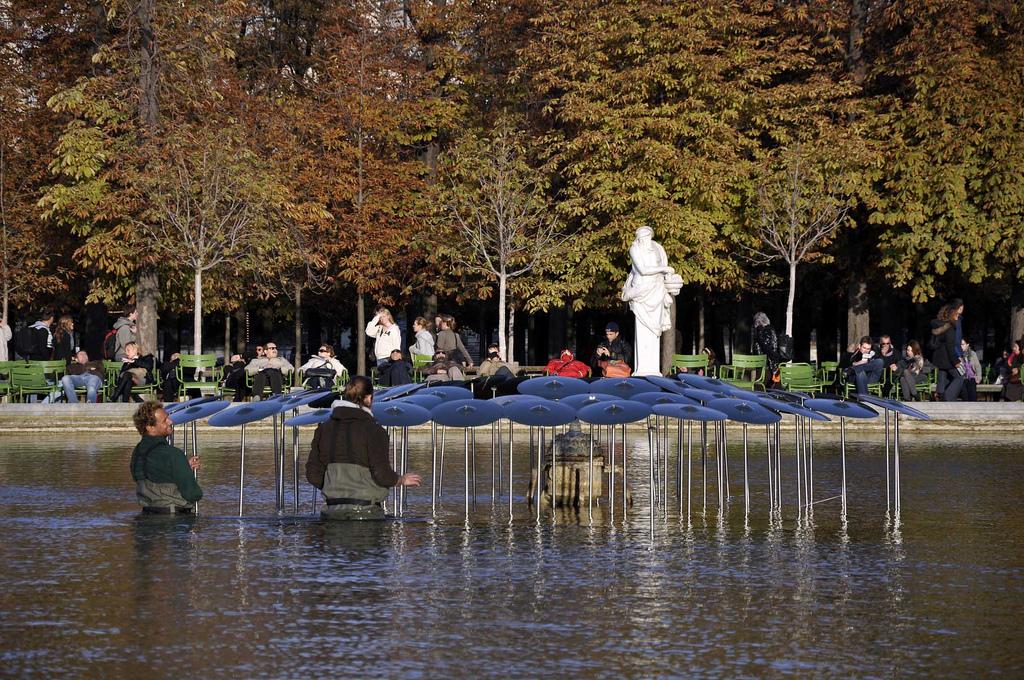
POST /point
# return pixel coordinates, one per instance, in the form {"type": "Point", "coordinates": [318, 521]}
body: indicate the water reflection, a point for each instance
{"type": "Point", "coordinates": [90, 587]}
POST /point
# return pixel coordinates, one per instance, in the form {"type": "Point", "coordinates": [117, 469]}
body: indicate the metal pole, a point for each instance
{"type": "Point", "coordinates": [472, 438]}
{"type": "Point", "coordinates": [510, 438]}
{"type": "Point", "coordinates": [277, 468]}
{"type": "Point", "coordinates": [611, 483]}
{"type": "Point", "coordinates": [540, 471]}
{"type": "Point", "coordinates": [768, 450]}
{"type": "Point", "coordinates": [295, 465]}
{"type": "Point", "coordinates": [651, 435]}
{"type": "Point", "coordinates": [433, 467]}
{"type": "Point", "coordinates": [689, 466]}
{"type": "Point", "coordinates": [810, 462]}
{"type": "Point", "coordinates": [241, 470]}
{"type": "Point", "coordinates": [896, 463]}
{"type": "Point", "coordinates": [440, 466]}
{"type": "Point", "coordinates": [624, 477]}
{"type": "Point", "coordinates": [797, 438]}
{"type": "Point", "coordinates": [704, 461]}
{"type": "Point", "coordinates": [746, 485]}
{"type": "Point", "coordinates": [842, 449]}
{"type": "Point", "coordinates": [887, 460]}
{"type": "Point", "coordinates": [493, 444]}
{"type": "Point", "coordinates": [195, 454]}
{"type": "Point", "coordinates": [590, 478]}
{"type": "Point", "coordinates": [465, 449]}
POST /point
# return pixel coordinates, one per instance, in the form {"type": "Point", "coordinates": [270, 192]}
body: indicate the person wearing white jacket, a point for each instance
{"type": "Point", "coordinates": [324, 358]}
{"type": "Point", "coordinates": [5, 337]}
{"type": "Point", "coordinates": [386, 334]}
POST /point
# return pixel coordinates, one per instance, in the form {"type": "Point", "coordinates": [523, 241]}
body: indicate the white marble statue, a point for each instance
{"type": "Point", "coordinates": [649, 289]}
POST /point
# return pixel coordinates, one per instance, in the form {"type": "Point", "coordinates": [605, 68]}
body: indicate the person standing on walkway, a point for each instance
{"type": "Point", "coordinates": [946, 353]}
{"type": "Point", "coordinates": [348, 459]}
{"type": "Point", "coordinates": [165, 480]}
{"type": "Point", "coordinates": [386, 334]}
{"type": "Point", "coordinates": [125, 331]}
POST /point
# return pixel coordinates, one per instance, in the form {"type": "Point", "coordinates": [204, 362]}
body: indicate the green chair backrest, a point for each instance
{"type": "Point", "coordinates": [746, 361]}
{"type": "Point", "coordinates": [5, 368]}
{"type": "Point", "coordinates": [790, 374]}
{"type": "Point", "coordinates": [689, 361]}
{"type": "Point", "coordinates": [421, 360]}
{"type": "Point", "coordinates": [197, 361]}
{"type": "Point", "coordinates": [28, 377]}
{"type": "Point", "coordinates": [51, 366]}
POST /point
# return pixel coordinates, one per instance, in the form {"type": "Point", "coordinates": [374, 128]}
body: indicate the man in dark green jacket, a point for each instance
{"type": "Point", "coordinates": [165, 480]}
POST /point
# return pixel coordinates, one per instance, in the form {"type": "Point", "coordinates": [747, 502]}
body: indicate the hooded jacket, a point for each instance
{"type": "Point", "coordinates": [567, 366]}
{"type": "Point", "coordinates": [125, 334]}
{"type": "Point", "coordinates": [349, 456]}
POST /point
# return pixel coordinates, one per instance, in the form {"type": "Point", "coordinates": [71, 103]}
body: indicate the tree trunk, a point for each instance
{"type": "Point", "coordinates": [502, 295]}
{"type": "Point", "coordinates": [668, 340]}
{"type": "Point", "coordinates": [147, 291]}
{"type": "Point", "coordinates": [241, 331]}
{"type": "Point", "coordinates": [1016, 311]}
{"type": "Point", "coordinates": [511, 334]}
{"type": "Point", "coordinates": [701, 332]}
{"type": "Point", "coordinates": [298, 333]}
{"type": "Point", "coordinates": [430, 303]}
{"type": "Point", "coordinates": [858, 318]}
{"type": "Point", "coordinates": [791, 299]}
{"type": "Point", "coordinates": [149, 112]}
{"type": "Point", "coordinates": [197, 313]}
{"type": "Point", "coordinates": [227, 337]}
{"type": "Point", "coordinates": [360, 335]}
{"type": "Point", "coordinates": [7, 298]}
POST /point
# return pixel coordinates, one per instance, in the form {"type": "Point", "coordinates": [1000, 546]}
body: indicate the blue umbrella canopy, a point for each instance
{"type": "Point", "coordinates": [703, 395]}
{"type": "Point", "coordinates": [399, 414]}
{"type": "Point", "coordinates": [664, 383]}
{"type": "Point", "coordinates": [245, 413]}
{"type": "Point", "coordinates": [623, 388]}
{"type": "Point", "coordinates": [893, 405]}
{"type": "Point", "coordinates": [309, 418]}
{"type": "Point", "coordinates": [518, 398]}
{"type": "Point", "coordinates": [427, 401]}
{"type": "Point", "coordinates": [614, 412]}
{"type": "Point", "coordinates": [688, 412]}
{"type": "Point", "coordinates": [744, 411]}
{"type": "Point", "coordinates": [540, 413]}
{"type": "Point", "coordinates": [578, 401]}
{"type": "Point", "coordinates": [701, 382]}
{"type": "Point", "coordinates": [791, 408]}
{"type": "Point", "coordinates": [553, 387]}
{"type": "Point", "coordinates": [178, 406]}
{"type": "Point", "coordinates": [397, 391]}
{"type": "Point", "coordinates": [652, 398]}
{"type": "Point", "coordinates": [297, 399]}
{"type": "Point", "coordinates": [841, 408]}
{"type": "Point", "coordinates": [449, 392]}
{"type": "Point", "coordinates": [791, 397]}
{"type": "Point", "coordinates": [197, 411]}
{"type": "Point", "coordinates": [466, 412]}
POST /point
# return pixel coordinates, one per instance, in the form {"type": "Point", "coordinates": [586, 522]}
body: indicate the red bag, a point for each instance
{"type": "Point", "coordinates": [616, 369]}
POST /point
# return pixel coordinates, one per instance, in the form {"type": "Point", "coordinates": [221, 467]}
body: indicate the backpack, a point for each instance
{"type": "Point", "coordinates": [110, 344]}
{"type": "Point", "coordinates": [25, 342]}
{"type": "Point", "coordinates": [785, 348]}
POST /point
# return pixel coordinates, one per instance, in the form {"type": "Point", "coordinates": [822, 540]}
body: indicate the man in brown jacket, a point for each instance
{"type": "Point", "coordinates": [82, 373]}
{"type": "Point", "coordinates": [348, 459]}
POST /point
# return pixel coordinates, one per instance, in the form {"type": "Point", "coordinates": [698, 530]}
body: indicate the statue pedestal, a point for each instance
{"type": "Point", "coordinates": [648, 351]}
{"type": "Point", "coordinates": [569, 483]}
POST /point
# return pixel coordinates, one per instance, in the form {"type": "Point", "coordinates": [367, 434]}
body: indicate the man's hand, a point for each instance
{"type": "Point", "coordinates": [194, 462]}
{"type": "Point", "coordinates": [409, 479]}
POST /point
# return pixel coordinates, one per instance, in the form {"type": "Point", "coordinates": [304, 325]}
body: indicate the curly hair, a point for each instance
{"type": "Point", "coordinates": [145, 416]}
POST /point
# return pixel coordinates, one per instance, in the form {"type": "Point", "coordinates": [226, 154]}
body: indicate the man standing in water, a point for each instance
{"type": "Point", "coordinates": [165, 480]}
{"type": "Point", "coordinates": [348, 459]}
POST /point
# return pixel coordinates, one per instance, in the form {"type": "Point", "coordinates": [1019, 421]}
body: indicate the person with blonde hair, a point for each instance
{"type": "Point", "coordinates": [386, 334]}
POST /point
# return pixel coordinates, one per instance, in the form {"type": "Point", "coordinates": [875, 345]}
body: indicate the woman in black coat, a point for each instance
{"type": "Point", "coordinates": [944, 354]}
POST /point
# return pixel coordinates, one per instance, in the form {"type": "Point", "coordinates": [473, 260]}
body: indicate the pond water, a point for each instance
{"type": "Point", "coordinates": [88, 587]}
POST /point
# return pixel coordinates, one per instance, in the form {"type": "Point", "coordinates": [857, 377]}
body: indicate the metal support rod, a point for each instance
{"type": "Point", "coordinates": [433, 467]}
{"type": "Point", "coordinates": [195, 454]}
{"type": "Point", "coordinates": [768, 450]}
{"type": "Point", "coordinates": [241, 470]}
{"type": "Point", "coordinates": [896, 463]}
{"type": "Point", "coordinates": [689, 466]}
{"type": "Point", "coordinates": [624, 477]}
{"type": "Point", "coordinates": [651, 436]}
{"type": "Point", "coordinates": [746, 484]}
{"type": "Point", "coordinates": [472, 439]}
{"type": "Point", "coordinates": [440, 466]}
{"type": "Point", "coordinates": [465, 447]}
{"type": "Point", "coordinates": [295, 470]}
{"type": "Point", "coordinates": [540, 471]}
{"type": "Point", "coordinates": [277, 467]}
{"type": "Point", "coordinates": [510, 438]}
{"type": "Point", "coordinates": [704, 462]}
{"type": "Point", "coordinates": [494, 445]}
{"type": "Point", "coordinates": [810, 462]}
{"type": "Point", "coordinates": [842, 450]}
{"type": "Point", "coordinates": [797, 439]}
{"type": "Point", "coordinates": [778, 466]}
{"type": "Point", "coordinates": [590, 479]}
{"type": "Point", "coordinates": [887, 501]}
{"type": "Point", "coordinates": [611, 483]}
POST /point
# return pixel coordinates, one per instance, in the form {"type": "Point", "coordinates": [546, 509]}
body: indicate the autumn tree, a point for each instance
{"type": "Point", "coordinates": [497, 208]}
{"type": "Point", "coordinates": [799, 208]}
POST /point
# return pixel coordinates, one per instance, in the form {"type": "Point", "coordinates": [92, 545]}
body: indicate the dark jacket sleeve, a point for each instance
{"type": "Point", "coordinates": [377, 457]}
{"type": "Point", "coordinates": [185, 478]}
{"type": "Point", "coordinates": [316, 465]}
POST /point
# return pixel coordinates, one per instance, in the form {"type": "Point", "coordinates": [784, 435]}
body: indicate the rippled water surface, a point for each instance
{"type": "Point", "coordinates": [91, 588]}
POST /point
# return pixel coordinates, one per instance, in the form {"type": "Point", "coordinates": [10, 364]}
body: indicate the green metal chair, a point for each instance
{"type": "Point", "coordinates": [112, 370]}
{"type": "Point", "coordinates": [828, 372]}
{"type": "Point", "coordinates": [691, 362]}
{"type": "Point", "coordinates": [848, 387]}
{"type": "Point", "coordinates": [800, 378]}
{"type": "Point", "coordinates": [419, 362]}
{"type": "Point", "coordinates": [28, 379]}
{"type": "Point", "coordinates": [5, 376]}
{"type": "Point", "coordinates": [746, 371]}
{"type": "Point", "coordinates": [926, 390]}
{"type": "Point", "coordinates": [205, 375]}
{"type": "Point", "coordinates": [339, 379]}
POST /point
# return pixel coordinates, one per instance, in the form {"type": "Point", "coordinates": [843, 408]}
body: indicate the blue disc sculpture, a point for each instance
{"type": "Point", "coordinates": [466, 413]}
{"type": "Point", "coordinates": [553, 387]}
{"type": "Point", "coordinates": [897, 408]}
{"type": "Point", "coordinates": [242, 415]}
{"type": "Point", "coordinates": [623, 388]}
{"type": "Point", "coordinates": [539, 414]}
{"type": "Point", "coordinates": [309, 418]}
{"type": "Point", "coordinates": [578, 401]}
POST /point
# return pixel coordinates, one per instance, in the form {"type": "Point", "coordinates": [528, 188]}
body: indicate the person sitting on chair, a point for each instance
{"type": "Point", "coordinates": [865, 365]}
{"type": "Point", "coordinates": [82, 373]}
{"type": "Point", "coordinates": [443, 369]}
{"type": "Point", "coordinates": [165, 480]}
{"type": "Point", "coordinates": [395, 371]}
{"type": "Point", "coordinates": [135, 370]}
{"type": "Point", "coordinates": [614, 348]}
{"type": "Point", "coordinates": [567, 366]}
{"type": "Point", "coordinates": [269, 369]}
{"type": "Point", "coordinates": [322, 369]}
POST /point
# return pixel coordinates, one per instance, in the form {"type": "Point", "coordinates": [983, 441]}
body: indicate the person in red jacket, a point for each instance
{"type": "Point", "coordinates": [567, 366]}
